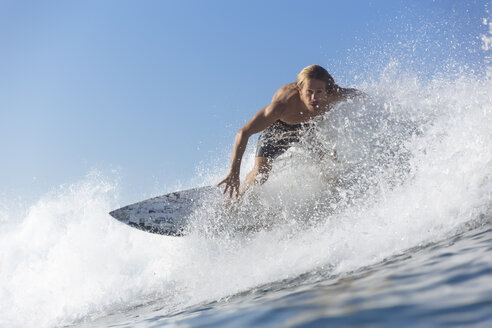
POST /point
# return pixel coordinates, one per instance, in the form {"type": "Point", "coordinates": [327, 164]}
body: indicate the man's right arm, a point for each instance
{"type": "Point", "coordinates": [259, 122]}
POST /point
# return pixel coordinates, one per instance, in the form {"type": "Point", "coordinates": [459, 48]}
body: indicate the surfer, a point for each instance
{"type": "Point", "coordinates": [293, 107]}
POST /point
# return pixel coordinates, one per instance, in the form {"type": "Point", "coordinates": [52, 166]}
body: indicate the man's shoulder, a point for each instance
{"type": "Point", "coordinates": [352, 92]}
{"type": "Point", "coordinates": [286, 93]}
{"type": "Point", "coordinates": [347, 93]}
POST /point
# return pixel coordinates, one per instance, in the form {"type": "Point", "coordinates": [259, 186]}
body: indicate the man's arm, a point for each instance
{"type": "Point", "coordinates": [259, 122]}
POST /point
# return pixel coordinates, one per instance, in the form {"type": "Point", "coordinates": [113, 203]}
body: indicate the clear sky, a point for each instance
{"type": "Point", "coordinates": [154, 88]}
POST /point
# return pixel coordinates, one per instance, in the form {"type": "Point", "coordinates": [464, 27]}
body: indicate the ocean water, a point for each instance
{"type": "Point", "coordinates": [392, 228]}
{"type": "Point", "coordinates": [395, 230]}
{"type": "Point", "coordinates": [440, 284]}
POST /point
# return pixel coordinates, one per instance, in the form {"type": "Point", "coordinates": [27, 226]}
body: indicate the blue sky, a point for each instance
{"type": "Point", "coordinates": [154, 89]}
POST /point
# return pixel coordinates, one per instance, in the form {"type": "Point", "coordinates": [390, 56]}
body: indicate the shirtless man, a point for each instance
{"type": "Point", "coordinates": [292, 107]}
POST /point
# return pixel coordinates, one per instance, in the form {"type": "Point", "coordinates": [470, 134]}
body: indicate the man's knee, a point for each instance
{"type": "Point", "coordinates": [263, 165]}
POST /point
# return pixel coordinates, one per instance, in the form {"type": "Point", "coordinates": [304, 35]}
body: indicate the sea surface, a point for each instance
{"type": "Point", "coordinates": [392, 228]}
{"type": "Point", "coordinates": [443, 284]}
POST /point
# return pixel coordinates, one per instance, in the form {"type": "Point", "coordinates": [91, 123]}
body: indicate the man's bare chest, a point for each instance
{"type": "Point", "coordinates": [300, 114]}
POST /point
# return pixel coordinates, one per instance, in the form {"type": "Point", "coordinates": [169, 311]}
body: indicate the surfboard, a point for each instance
{"type": "Point", "coordinates": [167, 214]}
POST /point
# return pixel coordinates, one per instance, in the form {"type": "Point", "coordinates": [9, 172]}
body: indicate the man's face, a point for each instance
{"type": "Point", "coordinates": [313, 94]}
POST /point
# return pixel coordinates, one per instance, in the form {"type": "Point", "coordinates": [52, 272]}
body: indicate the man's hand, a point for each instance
{"type": "Point", "coordinates": [231, 183]}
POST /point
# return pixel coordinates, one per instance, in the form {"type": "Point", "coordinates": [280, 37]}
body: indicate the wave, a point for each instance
{"type": "Point", "coordinates": [413, 165]}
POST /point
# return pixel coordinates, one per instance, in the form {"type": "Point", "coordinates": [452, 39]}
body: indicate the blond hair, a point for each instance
{"type": "Point", "coordinates": [315, 72]}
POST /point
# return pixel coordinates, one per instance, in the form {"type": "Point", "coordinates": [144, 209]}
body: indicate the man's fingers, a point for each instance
{"type": "Point", "coordinates": [226, 186]}
{"type": "Point", "coordinates": [230, 186]}
{"type": "Point", "coordinates": [225, 189]}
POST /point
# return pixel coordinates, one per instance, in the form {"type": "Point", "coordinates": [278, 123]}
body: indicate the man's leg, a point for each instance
{"type": "Point", "coordinates": [259, 174]}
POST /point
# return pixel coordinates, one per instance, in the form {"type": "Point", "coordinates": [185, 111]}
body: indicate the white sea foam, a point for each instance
{"type": "Point", "coordinates": [414, 165]}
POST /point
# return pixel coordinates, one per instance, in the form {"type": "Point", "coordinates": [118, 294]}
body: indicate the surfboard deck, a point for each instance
{"type": "Point", "coordinates": [167, 214]}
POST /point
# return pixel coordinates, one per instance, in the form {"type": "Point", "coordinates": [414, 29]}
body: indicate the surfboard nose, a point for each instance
{"type": "Point", "coordinates": [167, 214]}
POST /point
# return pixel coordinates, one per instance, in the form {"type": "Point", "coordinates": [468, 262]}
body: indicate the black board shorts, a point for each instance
{"type": "Point", "coordinates": [277, 138]}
